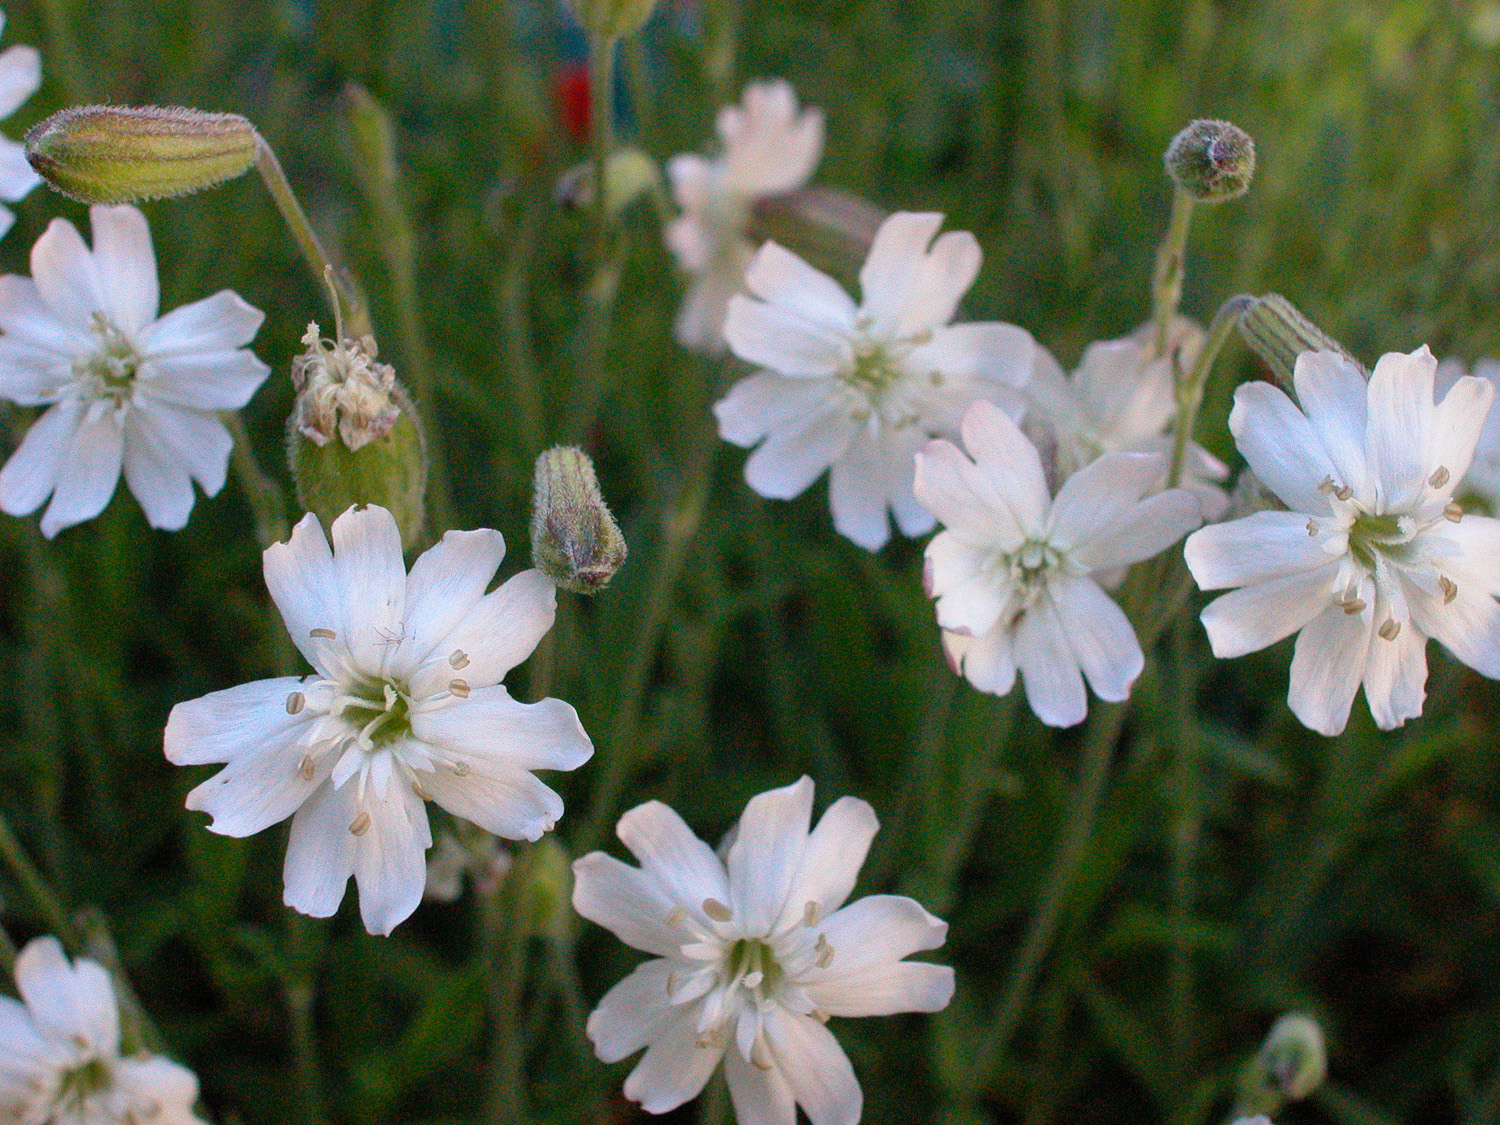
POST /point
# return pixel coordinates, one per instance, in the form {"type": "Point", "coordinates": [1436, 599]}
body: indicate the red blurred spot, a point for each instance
{"type": "Point", "coordinates": [572, 88]}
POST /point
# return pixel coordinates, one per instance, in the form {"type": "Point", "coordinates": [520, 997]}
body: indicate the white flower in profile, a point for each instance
{"type": "Point", "coordinates": [405, 705]}
{"type": "Point", "coordinates": [1121, 398]}
{"type": "Point", "coordinates": [124, 389]}
{"type": "Point", "coordinates": [752, 954]}
{"type": "Point", "coordinates": [20, 75]}
{"type": "Point", "coordinates": [860, 388]}
{"type": "Point", "coordinates": [1482, 481]}
{"type": "Point", "coordinates": [1014, 573]}
{"type": "Point", "coordinates": [770, 148]}
{"type": "Point", "coordinates": [60, 1061]}
{"type": "Point", "coordinates": [1373, 556]}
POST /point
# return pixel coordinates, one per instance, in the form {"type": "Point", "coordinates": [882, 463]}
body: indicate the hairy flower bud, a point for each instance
{"type": "Point", "coordinates": [574, 538]}
{"type": "Point", "coordinates": [1212, 161]}
{"type": "Point", "coordinates": [613, 19]}
{"type": "Point", "coordinates": [1291, 1063]}
{"type": "Point", "coordinates": [379, 456]}
{"type": "Point", "coordinates": [1276, 330]}
{"type": "Point", "coordinates": [374, 137]}
{"type": "Point", "coordinates": [123, 154]}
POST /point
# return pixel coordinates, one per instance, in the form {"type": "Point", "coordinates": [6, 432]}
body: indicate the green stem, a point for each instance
{"type": "Point", "coordinates": [1190, 387]}
{"type": "Point", "coordinates": [300, 988]}
{"type": "Point", "coordinates": [47, 904]}
{"type": "Point", "coordinates": [1187, 829]}
{"type": "Point", "coordinates": [505, 943]}
{"type": "Point", "coordinates": [1166, 282]}
{"type": "Point", "coordinates": [1098, 750]}
{"type": "Point", "coordinates": [260, 491]}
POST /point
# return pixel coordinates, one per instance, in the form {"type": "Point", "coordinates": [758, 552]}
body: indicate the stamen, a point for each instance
{"type": "Point", "coordinates": [1439, 477]}
{"type": "Point", "coordinates": [461, 769]}
{"type": "Point", "coordinates": [677, 917]}
{"type": "Point", "coordinates": [1353, 606]}
{"type": "Point", "coordinates": [458, 660]}
{"type": "Point", "coordinates": [752, 980]}
{"type": "Point", "coordinates": [1449, 588]}
{"type": "Point", "coordinates": [459, 688]}
{"type": "Point", "coordinates": [1312, 529]}
{"type": "Point", "coordinates": [1327, 487]}
{"type": "Point", "coordinates": [811, 913]}
{"type": "Point", "coordinates": [1453, 512]}
{"type": "Point", "coordinates": [361, 824]}
{"type": "Point", "coordinates": [305, 767]}
{"type": "Point", "coordinates": [322, 634]}
{"type": "Point", "coordinates": [295, 702]}
{"type": "Point", "coordinates": [671, 983]}
{"type": "Point", "coordinates": [1343, 493]}
{"type": "Point", "coordinates": [717, 910]}
{"type": "Point", "coordinates": [759, 1055]}
{"type": "Point", "coordinates": [825, 951]}
{"type": "Point", "coordinates": [416, 787]}
{"type": "Point", "coordinates": [1389, 629]}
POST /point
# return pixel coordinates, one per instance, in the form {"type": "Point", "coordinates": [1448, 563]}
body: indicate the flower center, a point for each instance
{"type": "Point", "coordinates": [82, 1082]}
{"type": "Point", "coordinates": [381, 711]}
{"type": "Point", "coordinates": [752, 964]}
{"type": "Point", "coordinates": [874, 370]}
{"type": "Point", "coordinates": [110, 371]}
{"type": "Point", "coordinates": [1371, 535]}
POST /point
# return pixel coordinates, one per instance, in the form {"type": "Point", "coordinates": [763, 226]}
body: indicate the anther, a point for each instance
{"type": "Point", "coordinates": [825, 951]}
{"type": "Point", "coordinates": [459, 688]}
{"type": "Point", "coordinates": [361, 824]}
{"type": "Point", "coordinates": [677, 917]}
{"type": "Point", "coordinates": [1449, 588]}
{"type": "Point", "coordinates": [1453, 512]}
{"type": "Point", "coordinates": [322, 634]}
{"type": "Point", "coordinates": [1353, 606]}
{"type": "Point", "coordinates": [717, 910]}
{"type": "Point", "coordinates": [811, 913]}
{"type": "Point", "coordinates": [305, 767]}
{"type": "Point", "coordinates": [459, 659]}
{"type": "Point", "coordinates": [1326, 486]}
{"type": "Point", "coordinates": [1343, 493]}
{"type": "Point", "coordinates": [671, 983]}
{"type": "Point", "coordinates": [461, 769]}
{"type": "Point", "coordinates": [759, 1055]}
{"type": "Point", "coordinates": [295, 702]}
{"type": "Point", "coordinates": [1312, 529]}
{"type": "Point", "coordinates": [1439, 477]}
{"type": "Point", "coordinates": [1389, 629]}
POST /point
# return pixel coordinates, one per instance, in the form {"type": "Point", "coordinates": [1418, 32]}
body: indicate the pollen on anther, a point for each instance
{"type": "Point", "coordinates": [459, 688]}
{"type": "Point", "coordinates": [1389, 629]}
{"type": "Point", "coordinates": [1344, 493]}
{"type": "Point", "coordinates": [459, 659]}
{"type": "Point", "coordinates": [1353, 606]}
{"type": "Point", "coordinates": [305, 767]}
{"type": "Point", "coordinates": [1439, 477]}
{"type": "Point", "coordinates": [811, 913]}
{"type": "Point", "coordinates": [717, 910]}
{"type": "Point", "coordinates": [1449, 588]}
{"type": "Point", "coordinates": [295, 702]}
{"type": "Point", "coordinates": [825, 951]}
{"type": "Point", "coordinates": [322, 634]}
{"type": "Point", "coordinates": [1453, 513]}
{"type": "Point", "coordinates": [461, 769]}
{"type": "Point", "coordinates": [361, 824]}
{"type": "Point", "coordinates": [1312, 528]}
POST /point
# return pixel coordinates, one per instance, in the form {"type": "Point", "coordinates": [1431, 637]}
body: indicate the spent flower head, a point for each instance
{"type": "Point", "coordinates": [752, 953]}
{"type": "Point", "coordinates": [405, 705]}
{"type": "Point", "coordinates": [20, 75]}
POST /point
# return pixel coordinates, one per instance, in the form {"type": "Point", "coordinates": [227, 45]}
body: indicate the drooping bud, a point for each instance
{"type": "Point", "coordinates": [124, 154]}
{"type": "Point", "coordinates": [827, 227]}
{"type": "Point", "coordinates": [574, 538]}
{"type": "Point", "coordinates": [1277, 331]}
{"type": "Point", "coordinates": [1291, 1064]}
{"type": "Point", "coordinates": [1212, 161]}
{"type": "Point", "coordinates": [373, 135]}
{"type": "Point", "coordinates": [354, 437]}
{"type": "Point", "coordinates": [612, 19]}
{"type": "Point", "coordinates": [628, 174]}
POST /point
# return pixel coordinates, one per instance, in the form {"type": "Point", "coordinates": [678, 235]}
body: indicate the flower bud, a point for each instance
{"type": "Point", "coordinates": [123, 154]}
{"type": "Point", "coordinates": [1212, 161]}
{"type": "Point", "coordinates": [613, 19]}
{"type": "Point", "coordinates": [354, 437]}
{"type": "Point", "coordinates": [628, 174]}
{"type": "Point", "coordinates": [550, 886]}
{"type": "Point", "coordinates": [829, 228]}
{"type": "Point", "coordinates": [373, 135]}
{"type": "Point", "coordinates": [1276, 330]}
{"type": "Point", "coordinates": [1293, 1055]}
{"type": "Point", "coordinates": [574, 538]}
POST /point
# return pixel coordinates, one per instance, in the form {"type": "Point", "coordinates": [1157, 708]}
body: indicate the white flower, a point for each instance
{"type": "Point", "coordinates": [769, 149]}
{"type": "Point", "coordinates": [1014, 573]}
{"type": "Point", "coordinates": [20, 75]}
{"type": "Point", "coordinates": [860, 388]}
{"type": "Point", "coordinates": [752, 954]}
{"type": "Point", "coordinates": [125, 389]}
{"type": "Point", "coordinates": [60, 1058]}
{"type": "Point", "coordinates": [405, 705]}
{"type": "Point", "coordinates": [1373, 557]}
{"type": "Point", "coordinates": [1482, 481]}
{"type": "Point", "coordinates": [479, 856]}
{"type": "Point", "coordinates": [1121, 399]}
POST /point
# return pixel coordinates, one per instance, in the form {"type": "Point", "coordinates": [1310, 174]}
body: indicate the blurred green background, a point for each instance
{"type": "Point", "coordinates": [1241, 866]}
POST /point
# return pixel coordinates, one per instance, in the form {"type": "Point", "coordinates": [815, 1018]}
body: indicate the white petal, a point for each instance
{"type": "Point", "coordinates": [764, 403]}
{"type": "Point", "coordinates": [1478, 538]}
{"type": "Point", "coordinates": [705, 306]}
{"type": "Point", "coordinates": [225, 725]}
{"type": "Point", "coordinates": [20, 75]}
{"type": "Point", "coordinates": [780, 338]}
{"type": "Point", "coordinates": [199, 441]}
{"type": "Point", "coordinates": [64, 272]}
{"type": "Point", "coordinates": [496, 635]}
{"type": "Point", "coordinates": [1469, 627]}
{"type": "Point", "coordinates": [1282, 448]}
{"type": "Point", "coordinates": [632, 1013]}
{"type": "Point", "coordinates": [760, 1097]}
{"type": "Point", "coordinates": [158, 1086]}
{"type": "Point", "coordinates": [896, 256]}
{"type": "Point", "coordinates": [767, 853]}
{"type": "Point", "coordinates": [815, 1067]}
{"type": "Point", "coordinates": [1328, 663]}
{"type": "Point", "coordinates": [219, 323]}
{"type": "Point", "coordinates": [1099, 636]}
{"type": "Point", "coordinates": [301, 580]}
{"type": "Point", "coordinates": [687, 870]}
{"type": "Point", "coordinates": [1008, 459]}
{"type": "Point", "coordinates": [1248, 620]}
{"type": "Point", "coordinates": [370, 574]}
{"type": "Point", "coordinates": [1259, 548]}
{"type": "Point", "coordinates": [988, 662]}
{"type": "Point", "coordinates": [878, 930]}
{"type": "Point", "coordinates": [26, 317]}
{"type": "Point", "coordinates": [31, 474]}
{"type": "Point", "coordinates": [778, 276]}
{"type": "Point", "coordinates": [945, 275]}
{"type": "Point", "coordinates": [89, 471]}
{"type": "Point", "coordinates": [390, 865]}
{"type": "Point", "coordinates": [1401, 409]}
{"type": "Point", "coordinates": [31, 375]}
{"type": "Point", "coordinates": [674, 1068]}
{"type": "Point", "coordinates": [1332, 393]}
{"type": "Point", "coordinates": [157, 479]}
{"type": "Point", "coordinates": [445, 584]}
{"type": "Point", "coordinates": [769, 147]}
{"type": "Point", "coordinates": [499, 797]}
{"type": "Point", "coordinates": [968, 501]}
{"type": "Point", "coordinates": [885, 990]}
{"type": "Point", "coordinates": [1099, 497]}
{"type": "Point", "coordinates": [1462, 422]}
{"type": "Point", "coordinates": [974, 605]}
{"type": "Point", "coordinates": [17, 178]}
{"type": "Point", "coordinates": [1143, 531]}
{"type": "Point", "coordinates": [221, 380]}
{"type": "Point", "coordinates": [859, 485]}
{"type": "Point", "coordinates": [793, 457]}
{"type": "Point", "coordinates": [982, 352]}
{"type": "Point", "coordinates": [68, 1002]}
{"type": "Point", "coordinates": [628, 903]}
{"type": "Point", "coordinates": [833, 855]}
{"type": "Point", "coordinates": [1396, 678]}
{"type": "Point", "coordinates": [489, 724]}
{"type": "Point", "coordinates": [320, 852]}
{"type": "Point", "coordinates": [1054, 684]}
{"type": "Point", "coordinates": [126, 266]}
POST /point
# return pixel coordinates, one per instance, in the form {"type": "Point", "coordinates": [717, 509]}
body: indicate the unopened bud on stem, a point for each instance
{"type": "Point", "coordinates": [574, 538]}
{"type": "Point", "coordinates": [1212, 161]}
{"type": "Point", "coordinates": [612, 19]}
{"type": "Point", "coordinates": [1277, 331]}
{"type": "Point", "coordinates": [1291, 1064]}
{"type": "Point", "coordinates": [123, 154]}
